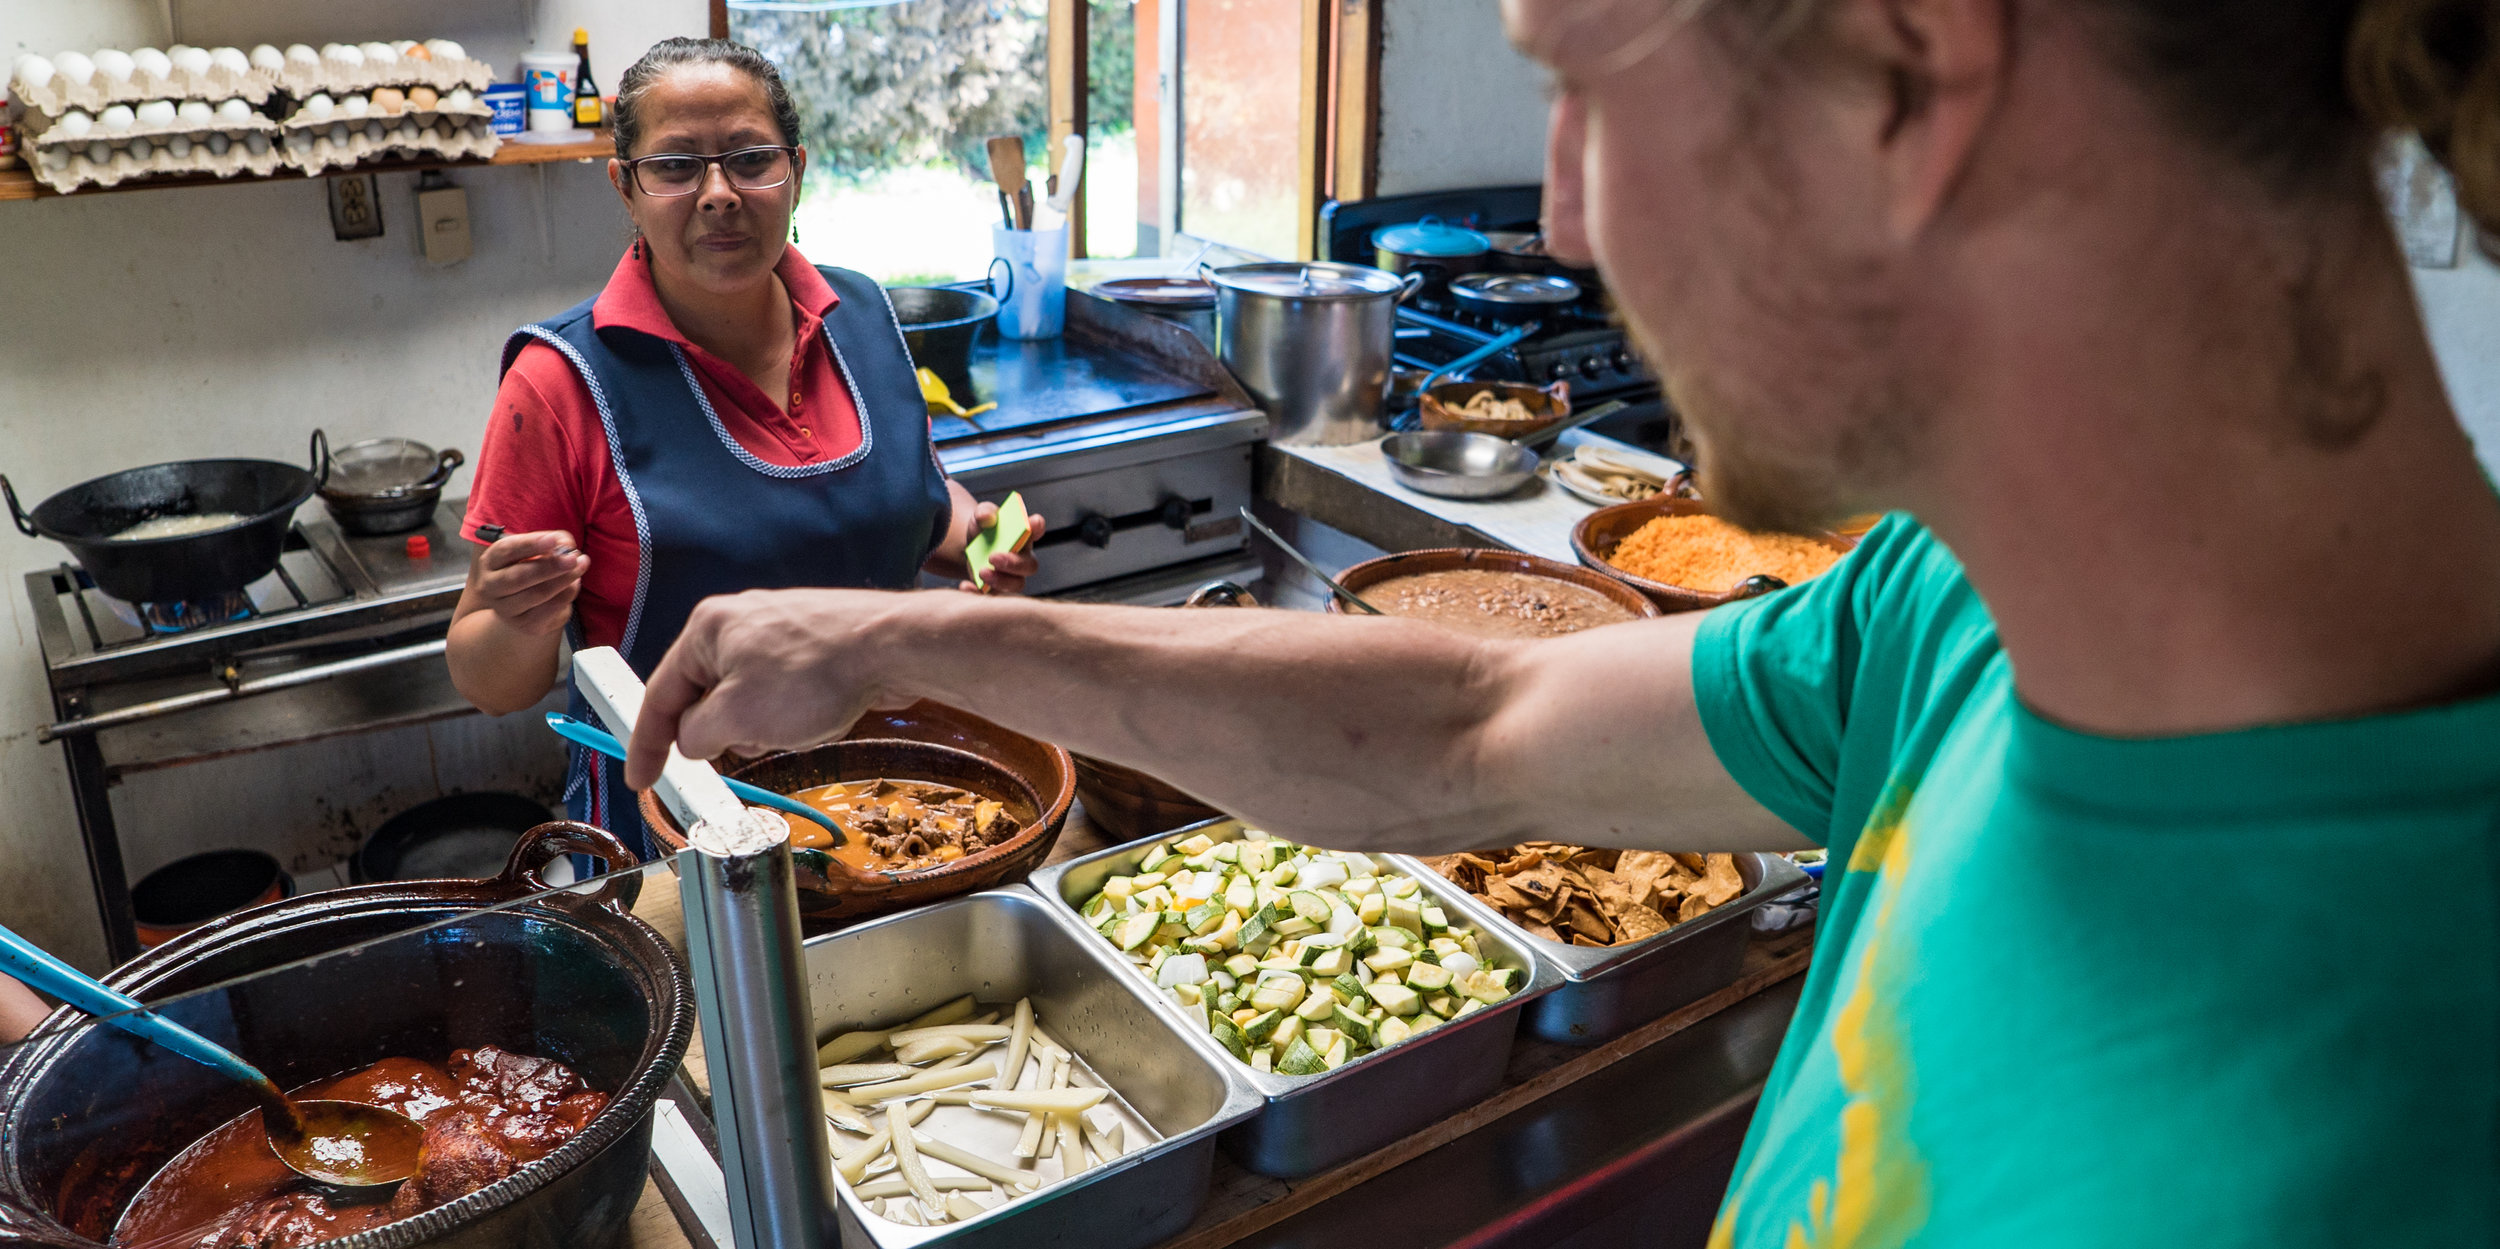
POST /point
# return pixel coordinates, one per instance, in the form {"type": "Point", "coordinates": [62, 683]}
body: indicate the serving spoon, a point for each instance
{"type": "Point", "coordinates": [605, 743]}
{"type": "Point", "coordinates": [340, 1144]}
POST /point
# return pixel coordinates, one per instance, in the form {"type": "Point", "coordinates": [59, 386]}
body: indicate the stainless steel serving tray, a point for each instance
{"type": "Point", "coordinates": [1312, 1123]}
{"type": "Point", "coordinates": [1606, 993]}
{"type": "Point", "coordinates": [1001, 945]}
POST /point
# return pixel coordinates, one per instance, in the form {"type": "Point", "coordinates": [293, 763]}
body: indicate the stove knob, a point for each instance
{"type": "Point", "coordinates": [1558, 370]}
{"type": "Point", "coordinates": [1623, 360]}
{"type": "Point", "coordinates": [1591, 366]}
{"type": "Point", "coordinates": [1094, 531]}
{"type": "Point", "coordinates": [1175, 513]}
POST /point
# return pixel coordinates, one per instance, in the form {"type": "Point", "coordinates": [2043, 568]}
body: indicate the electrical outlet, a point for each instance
{"type": "Point", "coordinates": [443, 220]}
{"type": "Point", "coordinates": [355, 207]}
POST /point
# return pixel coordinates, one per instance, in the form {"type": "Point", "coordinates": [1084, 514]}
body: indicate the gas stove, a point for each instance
{"type": "Point", "coordinates": [1582, 344]}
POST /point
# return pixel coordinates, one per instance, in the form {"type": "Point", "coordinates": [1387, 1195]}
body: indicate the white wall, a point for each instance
{"type": "Point", "coordinates": [1458, 106]}
{"type": "Point", "coordinates": [172, 324]}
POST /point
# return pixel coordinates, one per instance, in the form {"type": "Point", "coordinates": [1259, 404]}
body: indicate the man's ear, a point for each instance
{"type": "Point", "coordinates": [1944, 65]}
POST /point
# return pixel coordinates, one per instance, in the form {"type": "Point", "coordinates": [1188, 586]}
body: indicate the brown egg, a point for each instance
{"type": "Point", "coordinates": [411, 50]}
{"type": "Point", "coordinates": [389, 101]}
{"type": "Point", "coordinates": [423, 99]}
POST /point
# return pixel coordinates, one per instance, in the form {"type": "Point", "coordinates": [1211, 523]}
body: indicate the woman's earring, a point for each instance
{"type": "Point", "coordinates": [794, 229]}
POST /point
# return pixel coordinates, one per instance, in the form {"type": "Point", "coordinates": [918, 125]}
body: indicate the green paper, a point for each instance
{"type": "Point", "coordinates": [1007, 533]}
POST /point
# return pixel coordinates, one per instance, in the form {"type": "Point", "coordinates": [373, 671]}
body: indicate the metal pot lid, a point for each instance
{"type": "Point", "coordinates": [1430, 237]}
{"type": "Point", "coordinates": [1159, 292]}
{"type": "Point", "coordinates": [1539, 289]}
{"type": "Point", "coordinates": [1308, 281]}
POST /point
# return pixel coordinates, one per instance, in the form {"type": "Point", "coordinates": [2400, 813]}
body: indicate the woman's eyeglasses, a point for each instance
{"type": "Point", "coordinates": [678, 173]}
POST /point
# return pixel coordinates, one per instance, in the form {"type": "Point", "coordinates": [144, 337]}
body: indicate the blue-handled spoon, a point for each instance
{"type": "Point", "coordinates": [605, 743]}
{"type": "Point", "coordinates": [340, 1144]}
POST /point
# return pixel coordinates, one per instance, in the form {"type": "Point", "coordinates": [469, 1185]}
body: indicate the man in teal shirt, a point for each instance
{"type": "Point", "coordinates": [2158, 756]}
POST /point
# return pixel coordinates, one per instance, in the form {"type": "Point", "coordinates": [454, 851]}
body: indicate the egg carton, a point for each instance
{"type": "Point", "coordinates": [318, 147]}
{"type": "Point", "coordinates": [338, 77]}
{"type": "Point", "coordinates": [63, 132]}
{"type": "Point", "coordinates": [57, 94]}
{"type": "Point", "coordinates": [72, 166]}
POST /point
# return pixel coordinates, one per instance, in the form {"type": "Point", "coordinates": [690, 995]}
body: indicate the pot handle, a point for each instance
{"type": "Point", "coordinates": [443, 464]}
{"type": "Point", "coordinates": [16, 513]}
{"type": "Point", "coordinates": [1411, 283]}
{"type": "Point", "coordinates": [549, 841]}
{"type": "Point", "coordinates": [320, 459]}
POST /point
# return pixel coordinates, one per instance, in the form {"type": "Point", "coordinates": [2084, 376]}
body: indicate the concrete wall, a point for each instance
{"type": "Point", "coordinates": [161, 325]}
{"type": "Point", "coordinates": [1458, 106]}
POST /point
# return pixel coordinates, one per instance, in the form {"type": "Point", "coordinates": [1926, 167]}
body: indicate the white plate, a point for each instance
{"type": "Point", "coordinates": [1628, 457]}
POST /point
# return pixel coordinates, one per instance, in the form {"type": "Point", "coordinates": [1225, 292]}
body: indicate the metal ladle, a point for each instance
{"type": "Point", "coordinates": [340, 1144]}
{"type": "Point", "coordinates": [1309, 567]}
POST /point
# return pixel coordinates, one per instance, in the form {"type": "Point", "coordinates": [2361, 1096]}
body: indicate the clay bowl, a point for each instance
{"type": "Point", "coordinates": [924, 742]}
{"type": "Point", "coordinates": [1129, 804]}
{"type": "Point", "coordinates": [1370, 573]}
{"type": "Point", "coordinates": [1550, 406]}
{"type": "Point", "coordinates": [1600, 532]}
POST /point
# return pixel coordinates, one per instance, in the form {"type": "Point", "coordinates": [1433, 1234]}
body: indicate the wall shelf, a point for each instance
{"type": "Point", "coordinates": [19, 184]}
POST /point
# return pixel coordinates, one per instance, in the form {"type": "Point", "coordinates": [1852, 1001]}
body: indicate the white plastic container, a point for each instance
{"type": "Point", "coordinates": [548, 78]}
{"type": "Point", "coordinates": [1032, 290]}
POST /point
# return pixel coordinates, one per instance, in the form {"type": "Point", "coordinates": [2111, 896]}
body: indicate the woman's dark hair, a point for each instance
{"type": "Point", "coordinates": [668, 54]}
{"type": "Point", "coordinates": [2298, 91]}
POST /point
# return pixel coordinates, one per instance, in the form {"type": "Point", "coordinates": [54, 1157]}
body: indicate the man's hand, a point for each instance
{"type": "Point", "coordinates": [760, 671]}
{"type": "Point", "coordinates": [530, 579]}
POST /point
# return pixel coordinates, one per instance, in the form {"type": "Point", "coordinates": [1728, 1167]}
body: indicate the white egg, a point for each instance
{"type": "Point", "coordinates": [193, 60]}
{"type": "Point", "coordinates": [257, 141]}
{"type": "Point", "coordinates": [446, 50]}
{"type": "Point", "coordinates": [355, 106]}
{"type": "Point", "coordinates": [156, 113]}
{"type": "Point", "coordinates": [76, 67]}
{"type": "Point", "coordinates": [100, 152]}
{"type": "Point", "coordinates": [75, 124]}
{"type": "Point", "coordinates": [179, 146]}
{"type": "Point", "coordinates": [338, 133]}
{"type": "Point", "coordinates": [348, 55]}
{"type": "Point", "coordinates": [116, 118]}
{"type": "Point", "coordinates": [460, 100]}
{"type": "Point", "coordinates": [114, 64]}
{"type": "Point", "coordinates": [268, 57]}
{"type": "Point", "coordinates": [407, 132]}
{"type": "Point", "coordinates": [218, 143]}
{"type": "Point", "coordinates": [141, 149]}
{"type": "Point", "coordinates": [56, 158]}
{"type": "Point", "coordinates": [236, 111]}
{"type": "Point", "coordinates": [319, 106]}
{"type": "Point", "coordinates": [373, 130]}
{"type": "Point", "coordinates": [34, 71]}
{"type": "Point", "coordinates": [230, 59]}
{"type": "Point", "coordinates": [199, 114]}
{"type": "Point", "coordinates": [152, 62]}
{"type": "Point", "coordinates": [378, 53]}
{"type": "Point", "coordinates": [301, 54]}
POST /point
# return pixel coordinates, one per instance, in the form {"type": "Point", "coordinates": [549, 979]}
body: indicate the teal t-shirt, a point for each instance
{"type": "Point", "coordinates": [2240, 989]}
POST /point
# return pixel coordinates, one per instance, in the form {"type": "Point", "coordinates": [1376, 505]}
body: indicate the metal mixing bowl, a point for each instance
{"type": "Point", "coordinates": [1455, 465]}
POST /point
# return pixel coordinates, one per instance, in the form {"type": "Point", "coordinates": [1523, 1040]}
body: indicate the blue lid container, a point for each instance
{"type": "Point", "coordinates": [1431, 237]}
{"type": "Point", "coordinates": [510, 100]}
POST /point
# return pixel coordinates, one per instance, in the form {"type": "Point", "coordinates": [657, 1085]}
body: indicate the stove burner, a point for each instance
{"type": "Point", "coordinates": [181, 616]}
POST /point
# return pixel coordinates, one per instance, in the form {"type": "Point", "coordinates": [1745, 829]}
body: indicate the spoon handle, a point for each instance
{"type": "Point", "coordinates": [605, 743]}
{"type": "Point", "coordinates": [27, 962]}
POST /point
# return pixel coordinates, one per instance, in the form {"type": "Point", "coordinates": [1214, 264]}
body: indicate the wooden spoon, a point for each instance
{"type": "Point", "coordinates": [1007, 170]}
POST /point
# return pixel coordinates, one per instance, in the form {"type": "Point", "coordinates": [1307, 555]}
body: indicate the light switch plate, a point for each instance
{"type": "Point", "coordinates": [443, 224]}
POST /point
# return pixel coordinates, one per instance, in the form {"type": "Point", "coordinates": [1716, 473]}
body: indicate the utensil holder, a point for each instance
{"type": "Point", "coordinates": [1033, 293]}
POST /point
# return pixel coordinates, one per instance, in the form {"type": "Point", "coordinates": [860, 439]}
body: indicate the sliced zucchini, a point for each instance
{"type": "Point", "coordinates": [1262, 1026]}
{"type": "Point", "coordinates": [1406, 913]}
{"type": "Point", "coordinates": [1288, 1030]}
{"type": "Point", "coordinates": [1354, 1026]}
{"type": "Point", "coordinates": [1301, 1060]}
{"type": "Point", "coordinates": [1427, 977]}
{"type": "Point", "coordinates": [1154, 860]}
{"type": "Point", "coordinates": [1242, 966]}
{"type": "Point", "coordinates": [1310, 906]}
{"type": "Point", "coordinates": [1389, 960]}
{"type": "Point", "coordinates": [1391, 1031]}
{"type": "Point", "coordinates": [1278, 992]}
{"type": "Point", "coordinates": [1397, 999]}
{"type": "Point", "coordinates": [1230, 1037]}
{"type": "Point", "coordinates": [1136, 930]}
{"type": "Point", "coordinates": [1318, 1006]}
{"type": "Point", "coordinates": [1199, 844]}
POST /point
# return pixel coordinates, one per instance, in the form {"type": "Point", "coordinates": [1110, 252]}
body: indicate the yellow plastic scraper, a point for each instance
{"type": "Point", "coordinates": [941, 401]}
{"type": "Point", "coordinates": [1011, 532]}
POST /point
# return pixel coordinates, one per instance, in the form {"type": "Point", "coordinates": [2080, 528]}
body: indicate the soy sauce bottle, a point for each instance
{"type": "Point", "coordinates": [589, 113]}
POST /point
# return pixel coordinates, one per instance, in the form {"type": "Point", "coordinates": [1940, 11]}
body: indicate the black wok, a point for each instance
{"type": "Point", "coordinates": [85, 517]}
{"type": "Point", "coordinates": [939, 324]}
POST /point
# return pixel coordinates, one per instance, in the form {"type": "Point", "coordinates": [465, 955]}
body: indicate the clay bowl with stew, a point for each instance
{"type": "Point", "coordinates": [1371, 573]}
{"type": "Point", "coordinates": [923, 742]}
{"type": "Point", "coordinates": [1440, 406]}
{"type": "Point", "coordinates": [1597, 535]}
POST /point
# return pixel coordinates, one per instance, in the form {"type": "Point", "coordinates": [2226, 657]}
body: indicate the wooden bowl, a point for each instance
{"type": "Point", "coordinates": [924, 742]}
{"type": "Point", "coordinates": [1597, 535]}
{"type": "Point", "coordinates": [1439, 407]}
{"type": "Point", "coordinates": [1450, 559]}
{"type": "Point", "coordinates": [1129, 804]}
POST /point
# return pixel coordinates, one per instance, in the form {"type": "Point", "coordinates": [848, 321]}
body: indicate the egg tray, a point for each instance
{"type": "Point", "coordinates": [310, 147]}
{"type": "Point", "coordinates": [60, 95]}
{"type": "Point", "coordinates": [81, 170]}
{"type": "Point", "coordinates": [338, 77]}
{"type": "Point", "coordinates": [121, 138]}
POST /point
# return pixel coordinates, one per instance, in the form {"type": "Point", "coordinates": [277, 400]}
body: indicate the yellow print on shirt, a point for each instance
{"type": "Point", "coordinates": [1878, 1195]}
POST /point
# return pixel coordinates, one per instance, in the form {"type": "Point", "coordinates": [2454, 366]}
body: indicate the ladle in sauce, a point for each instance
{"type": "Point", "coordinates": [340, 1144]}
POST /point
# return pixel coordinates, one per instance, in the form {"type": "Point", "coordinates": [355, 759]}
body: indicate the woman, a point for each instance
{"type": "Point", "coordinates": [723, 416]}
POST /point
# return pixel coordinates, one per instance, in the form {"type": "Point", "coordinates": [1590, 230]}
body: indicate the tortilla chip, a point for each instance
{"type": "Point", "coordinates": [1639, 922]}
{"type": "Point", "coordinates": [1694, 863]}
{"type": "Point", "coordinates": [1585, 920]}
{"type": "Point", "coordinates": [1501, 892]}
{"type": "Point", "coordinates": [1641, 870]}
{"type": "Point", "coordinates": [1723, 882]}
{"type": "Point", "coordinates": [1692, 908]}
{"type": "Point", "coordinates": [1585, 943]}
{"type": "Point", "coordinates": [1542, 930]}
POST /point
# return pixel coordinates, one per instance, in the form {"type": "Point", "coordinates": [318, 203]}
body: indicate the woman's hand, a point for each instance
{"type": "Point", "coordinates": [1008, 570]}
{"type": "Point", "coordinates": [529, 580]}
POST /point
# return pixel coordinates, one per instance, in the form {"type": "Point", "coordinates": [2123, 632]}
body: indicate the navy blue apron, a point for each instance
{"type": "Point", "coordinates": [711, 518]}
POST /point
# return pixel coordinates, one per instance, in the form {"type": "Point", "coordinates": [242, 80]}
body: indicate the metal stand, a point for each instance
{"type": "Point", "coordinates": [742, 937]}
